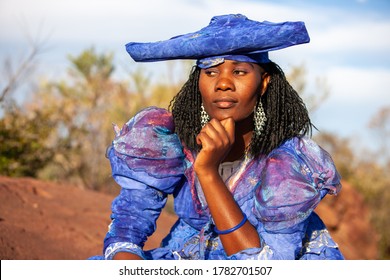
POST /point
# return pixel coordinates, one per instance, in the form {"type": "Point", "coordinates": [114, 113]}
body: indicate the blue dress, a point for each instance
{"type": "Point", "coordinates": [277, 192]}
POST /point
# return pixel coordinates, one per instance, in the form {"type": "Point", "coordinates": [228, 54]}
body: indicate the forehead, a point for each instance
{"type": "Point", "coordinates": [234, 63]}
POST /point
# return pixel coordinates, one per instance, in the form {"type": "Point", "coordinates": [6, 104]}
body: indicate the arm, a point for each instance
{"type": "Point", "coordinates": [134, 214]}
{"type": "Point", "coordinates": [216, 141]}
{"type": "Point", "coordinates": [294, 179]}
{"type": "Point", "coordinates": [291, 186]}
{"type": "Point", "coordinates": [227, 214]}
{"type": "Point", "coordinates": [136, 164]}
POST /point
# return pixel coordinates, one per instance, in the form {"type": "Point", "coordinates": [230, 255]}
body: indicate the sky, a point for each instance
{"type": "Point", "coordinates": [349, 47]}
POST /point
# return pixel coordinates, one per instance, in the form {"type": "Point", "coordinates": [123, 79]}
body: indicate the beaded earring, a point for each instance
{"type": "Point", "coordinates": [259, 119]}
{"type": "Point", "coordinates": [204, 117]}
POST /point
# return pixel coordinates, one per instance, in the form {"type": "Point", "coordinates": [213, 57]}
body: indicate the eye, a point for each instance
{"type": "Point", "coordinates": [240, 72]}
{"type": "Point", "coordinates": [211, 72]}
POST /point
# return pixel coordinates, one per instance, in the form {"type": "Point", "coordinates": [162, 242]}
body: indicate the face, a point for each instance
{"type": "Point", "coordinates": [231, 89]}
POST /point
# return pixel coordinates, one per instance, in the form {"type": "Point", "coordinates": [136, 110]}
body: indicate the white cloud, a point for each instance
{"type": "Point", "coordinates": [356, 36]}
{"type": "Point", "coordinates": [357, 85]}
{"type": "Point", "coordinates": [335, 35]}
{"type": "Point", "coordinates": [356, 96]}
{"type": "Point", "coordinates": [142, 20]}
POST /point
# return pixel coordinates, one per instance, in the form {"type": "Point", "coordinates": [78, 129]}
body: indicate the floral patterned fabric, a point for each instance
{"type": "Point", "coordinates": [278, 193]}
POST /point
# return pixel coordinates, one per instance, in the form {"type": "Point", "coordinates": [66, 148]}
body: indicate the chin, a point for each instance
{"type": "Point", "coordinates": [221, 117]}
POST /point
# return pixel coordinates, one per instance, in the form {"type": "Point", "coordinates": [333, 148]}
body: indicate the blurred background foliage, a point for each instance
{"type": "Point", "coordinates": [61, 132]}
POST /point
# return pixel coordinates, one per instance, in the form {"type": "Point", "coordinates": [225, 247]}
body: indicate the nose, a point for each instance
{"type": "Point", "coordinates": [224, 83]}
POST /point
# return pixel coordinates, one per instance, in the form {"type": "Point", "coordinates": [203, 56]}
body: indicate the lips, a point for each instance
{"type": "Point", "coordinates": [225, 103]}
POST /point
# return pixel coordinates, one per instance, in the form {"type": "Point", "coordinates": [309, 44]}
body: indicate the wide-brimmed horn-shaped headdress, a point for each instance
{"type": "Point", "coordinates": [231, 36]}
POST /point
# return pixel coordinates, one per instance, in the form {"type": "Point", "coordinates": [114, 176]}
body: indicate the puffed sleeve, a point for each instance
{"type": "Point", "coordinates": [295, 178]}
{"type": "Point", "coordinates": [147, 162]}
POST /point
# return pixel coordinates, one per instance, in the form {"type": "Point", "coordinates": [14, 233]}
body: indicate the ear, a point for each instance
{"type": "Point", "coordinates": [264, 82]}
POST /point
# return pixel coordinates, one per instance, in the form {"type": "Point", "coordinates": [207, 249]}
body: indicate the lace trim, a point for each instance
{"type": "Point", "coordinates": [320, 239]}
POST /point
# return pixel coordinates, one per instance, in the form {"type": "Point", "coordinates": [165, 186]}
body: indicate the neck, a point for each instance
{"type": "Point", "coordinates": [243, 136]}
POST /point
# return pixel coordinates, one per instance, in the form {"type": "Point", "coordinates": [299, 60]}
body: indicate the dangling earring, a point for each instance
{"type": "Point", "coordinates": [259, 119]}
{"type": "Point", "coordinates": [204, 117]}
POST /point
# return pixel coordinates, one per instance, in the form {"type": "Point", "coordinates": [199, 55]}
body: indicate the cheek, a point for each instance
{"type": "Point", "coordinates": [251, 96]}
{"type": "Point", "coordinates": [204, 88]}
{"type": "Point", "coordinates": [201, 85]}
{"type": "Point", "coordinates": [248, 103]}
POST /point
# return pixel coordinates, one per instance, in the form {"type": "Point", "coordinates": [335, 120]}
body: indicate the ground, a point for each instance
{"type": "Point", "coordinates": [51, 221]}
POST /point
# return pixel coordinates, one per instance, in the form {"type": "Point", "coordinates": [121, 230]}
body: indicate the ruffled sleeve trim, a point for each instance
{"type": "Point", "coordinates": [128, 247]}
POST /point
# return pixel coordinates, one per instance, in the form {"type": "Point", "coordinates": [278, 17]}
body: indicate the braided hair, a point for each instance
{"type": "Point", "coordinates": [286, 113]}
{"type": "Point", "coordinates": [185, 107]}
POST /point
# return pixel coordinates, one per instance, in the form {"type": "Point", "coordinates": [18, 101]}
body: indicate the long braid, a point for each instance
{"type": "Point", "coordinates": [185, 108]}
{"type": "Point", "coordinates": [285, 110]}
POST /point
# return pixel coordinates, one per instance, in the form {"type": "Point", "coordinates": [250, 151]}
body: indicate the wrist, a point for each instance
{"type": "Point", "coordinates": [208, 175]}
{"type": "Point", "coordinates": [201, 170]}
{"type": "Point", "coordinates": [236, 227]}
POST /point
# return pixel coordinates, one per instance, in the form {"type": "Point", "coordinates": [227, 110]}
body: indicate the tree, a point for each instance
{"type": "Point", "coordinates": [23, 151]}
{"type": "Point", "coordinates": [16, 73]}
{"type": "Point", "coordinates": [369, 176]}
{"type": "Point", "coordinates": [380, 124]}
{"type": "Point", "coordinates": [379, 195]}
{"type": "Point", "coordinates": [81, 108]}
{"type": "Point", "coordinates": [297, 78]}
{"type": "Point", "coordinates": [69, 121]}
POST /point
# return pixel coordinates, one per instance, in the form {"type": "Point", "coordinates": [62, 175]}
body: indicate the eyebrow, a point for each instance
{"type": "Point", "coordinates": [243, 62]}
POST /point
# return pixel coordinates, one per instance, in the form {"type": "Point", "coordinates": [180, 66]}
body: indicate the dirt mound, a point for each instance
{"type": "Point", "coordinates": [348, 219]}
{"type": "Point", "coordinates": [48, 221]}
{"type": "Point", "coordinates": [42, 220]}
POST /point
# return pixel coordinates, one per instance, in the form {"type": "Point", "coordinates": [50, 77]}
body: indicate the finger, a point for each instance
{"type": "Point", "coordinates": [217, 131]}
{"type": "Point", "coordinates": [216, 127]}
{"type": "Point", "coordinates": [229, 126]}
{"type": "Point", "coordinates": [198, 139]}
{"type": "Point", "coordinates": [209, 135]}
{"type": "Point", "coordinates": [203, 139]}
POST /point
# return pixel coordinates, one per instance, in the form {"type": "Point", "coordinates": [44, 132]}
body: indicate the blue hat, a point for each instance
{"type": "Point", "coordinates": [226, 37]}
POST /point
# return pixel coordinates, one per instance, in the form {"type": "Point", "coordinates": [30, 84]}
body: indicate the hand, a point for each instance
{"type": "Point", "coordinates": [216, 139]}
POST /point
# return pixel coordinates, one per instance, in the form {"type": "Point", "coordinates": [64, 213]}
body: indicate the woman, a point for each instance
{"type": "Point", "coordinates": [232, 151]}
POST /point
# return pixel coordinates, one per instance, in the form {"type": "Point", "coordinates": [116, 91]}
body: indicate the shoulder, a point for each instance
{"type": "Point", "coordinates": [298, 145]}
